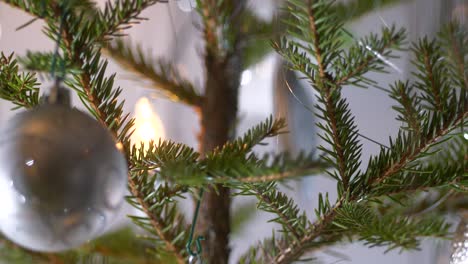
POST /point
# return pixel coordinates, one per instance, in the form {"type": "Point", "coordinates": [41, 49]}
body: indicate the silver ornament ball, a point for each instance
{"type": "Point", "coordinates": [460, 241]}
{"type": "Point", "coordinates": [62, 178]}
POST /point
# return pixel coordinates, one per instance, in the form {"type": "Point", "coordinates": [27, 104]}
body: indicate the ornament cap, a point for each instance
{"type": "Point", "coordinates": [58, 95]}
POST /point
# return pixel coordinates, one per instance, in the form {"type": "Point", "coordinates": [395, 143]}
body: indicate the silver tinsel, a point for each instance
{"type": "Point", "coordinates": [460, 242]}
{"type": "Point", "coordinates": [62, 178]}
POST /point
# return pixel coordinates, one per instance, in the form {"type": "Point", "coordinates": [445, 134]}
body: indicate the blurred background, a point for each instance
{"type": "Point", "coordinates": [170, 33]}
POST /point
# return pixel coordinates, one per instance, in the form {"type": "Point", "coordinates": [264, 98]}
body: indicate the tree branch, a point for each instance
{"type": "Point", "coordinates": [402, 92]}
{"type": "Point", "coordinates": [316, 42]}
{"type": "Point", "coordinates": [273, 206]}
{"type": "Point", "coordinates": [411, 154]}
{"type": "Point", "coordinates": [289, 254]}
{"type": "Point", "coordinates": [361, 67]}
{"type": "Point", "coordinates": [156, 222]}
{"type": "Point", "coordinates": [165, 77]}
{"type": "Point", "coordinates": [279, 176]}
{"type": "Point", "coordinates": [292, 252]}
{"type": "Point", "coordinates": [458, 56]}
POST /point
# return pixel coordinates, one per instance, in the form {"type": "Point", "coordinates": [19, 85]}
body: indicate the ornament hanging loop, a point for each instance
{"type": "Point", "coordinates": [58, 94]}
{"type": "Point", "coordinates": [197, 253]}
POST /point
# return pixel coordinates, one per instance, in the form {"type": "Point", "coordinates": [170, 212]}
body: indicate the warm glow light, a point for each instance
{"type": "Point", "coordinates": [148, 125]}
{"type": "Point", "coordinates": [246, 77]}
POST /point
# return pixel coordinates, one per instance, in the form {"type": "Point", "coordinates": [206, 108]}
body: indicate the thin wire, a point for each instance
{"type": "Point", "coordinates": [27, 24]}
{"type": "Point", "coordinates": [310, 110]}
{"type": "Point", "coordinates": [43, 6]}
{"type": "Point", "coordinates": [53, 95]}
{"type": "Point", "coordinates": [57, 47]}
{"type": "Point", "coordinates": [192, 230]}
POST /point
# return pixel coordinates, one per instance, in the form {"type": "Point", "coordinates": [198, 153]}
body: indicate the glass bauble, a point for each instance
{"type": "Point", "coordinates": [62, 178]}
{"type": "Point", "coordinates": [460, 242]}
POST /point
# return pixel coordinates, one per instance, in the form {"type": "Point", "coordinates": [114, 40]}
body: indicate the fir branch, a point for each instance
{"type": "Point", "coordinates": [326, 215]}
{"type": "Point", "coordinates": [230, 164]}
{"type": "Point", "coordinates": [117, 247]}
{"type": "Point", "coordinates": [13, 253]}
{"type": "Point", "coordinates": [405, 150]}
{"type": "Point", "coordinates": [254, 136]}
{"type": "Point", "coordinates": [432, 79]}
{"type": "Point", "coordinates": [34, 8]}
{"type": "Point", "coordinates": [271, 200]}
{"type": "Point", "coordinates": [390, 231]}
{"type": "Point", "coordinates": [423, 178]}
{"type": "Point", "coordinates": [439, 201]}
{"type": "Point", "coordinates": [99, 96]}
{"type": "Point", "coordinates": [157, 155]}
{"type": "Point", "coordinates": [444, 169]}
{"type": "Point", "coordinates": [409, 109]}
{"type": "Point", "coordinates": [163, 74]}
{"type": "Point", "coordinates": [171, 162]}
{"type": "Point", "coordinates": [258, 33]}
{"type": "Point", "coordinates": [340, 131]}
{"type": "Point", "coordinates": [41, 62]}
{"type": "Point", "coordinates": [454, 40]}
{"type": "Point", "coordinates": [223, 160]}
{"type": "Point", "coordinates": [263, 251]}
{"type": "Point", "coordinates": [366, 56]}
{"type": "Point", "coordinates": [438, 122]}
{"type": "Point", "coordinates": [78, 52]}
{"type": "Point", "coordinates": [119, 16]}
{"type": "Point", "coordinates": [266, 250]}
{"type": "Point", "coordinates": [22, 89]}
{"type": "Point", "coordinates": [319, 50]}
{"type": "Point", "coordinates": [319, 38]}
{"type": "Point", "coordinates": [161, 217]}
{"type": "Point", "coordinates": [342, 135]}
{"type": "Point", "coordinates": [268, 168]}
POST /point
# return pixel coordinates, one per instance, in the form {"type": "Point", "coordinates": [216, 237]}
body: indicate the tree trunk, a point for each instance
{"type": "Point", "coordinates": [218, 116]}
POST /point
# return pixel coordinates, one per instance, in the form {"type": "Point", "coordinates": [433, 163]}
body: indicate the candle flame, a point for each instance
{"type": "Point", "coordinates": [148, 125]}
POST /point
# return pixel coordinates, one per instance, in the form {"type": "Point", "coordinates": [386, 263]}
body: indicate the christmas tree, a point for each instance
{"type": "Point", "coordinates": [379, 201]}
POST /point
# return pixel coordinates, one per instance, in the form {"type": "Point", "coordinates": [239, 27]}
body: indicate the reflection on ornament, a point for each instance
{"type": "Point", "coordinates": [147, 123]}
{"type": "Point", "coordinates": [62, 179]}
{"type": "Point", "coordinates": [0, 31]}
{"type": "Point", "coordinates": [186, 5]}
{"type": "Point", "coordinates": [460, 242]}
